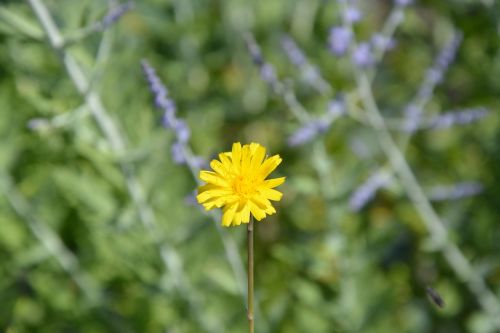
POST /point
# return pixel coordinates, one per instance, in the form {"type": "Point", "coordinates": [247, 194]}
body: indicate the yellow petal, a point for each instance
{"type": "Point", "coordinates": [219, 168]}
{"type": "Point", "coordinates": [270, 210]}
{"type": "Point", "coordinates": [256, 211]}
{"type": "Point", "coordinates": [207, 195]}
{"type": "Point", "coordinates": [270, 183]}
{"type": "Point", "coordinates": [226, 160]}
{"type": "Point", "coordinates": [264, 204]}
{"type": "Point", "coordinates": [208, 187]}
{"type": "Point", "coordinates": [253, 147]}
{"type": "Point", "coordinates": [237, 218]}
{"type": "Point", "coordinates": [213, 203]}
{"type": "Point", "coordinates": [228, 216]}
{"type": "Point", "coordinates": [258, 155]}
{"type": "Point", "coordinates": [245, 158]}
{"type": "Point", "coordinates": [245, 213]}
{"type": "Point", "coordinates": [260, 201]}
{"type": "Point", "coordinates": [269, 165]}
{"type": "Point", "coordinates": [236, 156]}
{"type": "Point", "coordinates": [271, 194]}
{"type": "Point", "coordinates": [213, 178]}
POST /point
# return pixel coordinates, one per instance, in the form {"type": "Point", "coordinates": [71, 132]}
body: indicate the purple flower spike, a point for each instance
{"type": "Point", "coordinates": [367, 191]}
{"type": "Point", "coordinates": [190, 199]}
{"type": "Point", "coordinates": [254, 50]}
{"type": "Point", "coordinates": [362, 55]}
{"type": "Point", "coordinates": [166, 120]}
{"type": "Point", "coordinates": [412, 117]}
{"type": "Point", "coordinates": [178, 153]}
{"type": "Point", "coordinates": [303, 135]}
{"type": "Point", "coordinates": [433, 77]}
{"type": "Point", "coordinates": [38, 124]}
{"type": "Point", "coordinates": [339, 40]}
{"type": "Point", "coordinates": [336, 107]}
{"type": "Point", "coordinates": [293, 52]}
{"type": "Point", "coordinates": [200, 163]}
{"type": "Point", "coordinates": [463, 117]}
{"type": "Point", "coordinates": [308, 132]}
{"type": "Point", "coordinates": [456, 192]}
{"type": "Point", "coordinates": [352, 15]}
{"type": "Point", "coordinates": [115, 14]}
{"type": "Point", "coordinates": [382, 42]}
{"type": "Point", "coordinates": [267, 73]}
{"type": "Point", "coordinates": [403, 3]}
{"type": "Point", "coordinates": [182, 130]}
{"type": "Point", "coordinates": [160, 93]}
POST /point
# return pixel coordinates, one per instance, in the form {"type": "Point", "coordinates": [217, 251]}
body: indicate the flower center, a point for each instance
{"type": "Point", "coordinates": [243, 186]}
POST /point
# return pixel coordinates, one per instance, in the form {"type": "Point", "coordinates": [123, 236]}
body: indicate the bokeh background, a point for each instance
{"type": "Point", "coordinates": [75, 253]}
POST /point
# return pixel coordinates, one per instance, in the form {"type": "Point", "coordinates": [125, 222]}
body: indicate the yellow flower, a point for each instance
{"type": "Point", "coordinates": [239, 183]}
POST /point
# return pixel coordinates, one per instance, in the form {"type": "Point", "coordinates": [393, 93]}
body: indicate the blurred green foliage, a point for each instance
{"type": "Point", "coordinates": [319, 266]}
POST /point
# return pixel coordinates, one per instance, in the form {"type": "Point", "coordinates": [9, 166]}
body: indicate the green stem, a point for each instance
{"type": "Point", "coordinates": [250, 312]}
{"type": "Point", "coordinates": [432, 222]}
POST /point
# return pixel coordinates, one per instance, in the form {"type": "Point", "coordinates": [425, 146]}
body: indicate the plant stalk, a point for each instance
{"type": "Point", "coordinates": [250, 312]}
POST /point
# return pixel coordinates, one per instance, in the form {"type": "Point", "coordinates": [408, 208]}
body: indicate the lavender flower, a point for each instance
{"type": "Point", "coordinates": [336, 107]}
{"type": "Point", "coordinates": [310, 73]}
{"type": "Point", "coordinates": [38, 124]}
{"type": "Point", "coordinates": [339, 40]}
{"type": "Point", "coordinates": [267, 71]}
{"type": "Point", "coordinates": [115, 14]}
{"type": "Point", "coordinates": [403, 3]}
{"type": "Point", "coordinates": [319, 126]}
{"type": "Point", "coordinates": [306, 133]}
{"type": "Point", "coordinates": [447, 56]}
{"type": "Point", "coordinates": [181, 130]}
{"type": "Point", "coordinates": [435, 74]}
{"type": "Point", "coordinates": [293, 52]}
{"type": "Point", "coordinates": [160, 92]}
{"type": "Point", "coordinates": [177, 152]}
{"type": "Point", "coordinates": [168, 107]}
{"type": "Point", "coordinates": [199, 162]}
{"type": "Point", "coordinates": [381, 42]}
{"type": "Point", "coordinates": [463, 117]}
{"type": "Point", "coordinates": [254, 50]}
{"type": "Point", "coordinates": [190, 199]}
{"type": "Point", "coordinates": [352, 15]}
{"type": "Point", "coordinates": [433, 77]}
{"type": "Point", "coordinates": [456, 191]}
{"type": "Point", "coordinates": [367, 190]}
{"type": "Point", "coordinates": [412, 118]}
{"type": "Point", "coordinates": [363, 55]}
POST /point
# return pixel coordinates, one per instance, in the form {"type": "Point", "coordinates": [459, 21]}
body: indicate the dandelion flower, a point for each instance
{"type": "Point", "coordinates": [238, 183]}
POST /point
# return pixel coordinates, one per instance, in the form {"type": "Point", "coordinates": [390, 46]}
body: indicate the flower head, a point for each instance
{"type": "Point", "coordinates": [339, 40]}
{"type": "Point", "coordinates": [238, 183]}
{"type": "Point", "coordinates": [352, 15]}
{"type": "Point", "coordinates": [362, 55]}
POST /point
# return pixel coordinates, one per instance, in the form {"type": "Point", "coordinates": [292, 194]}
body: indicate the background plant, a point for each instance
{"type": "Point", "coordinates": [97, 230]}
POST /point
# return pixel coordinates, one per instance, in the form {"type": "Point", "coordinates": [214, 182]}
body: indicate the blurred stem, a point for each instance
{"type": "Point", "coordinates": [389, 28]}
{"type": "Point", "coordinates": [168, 255]}
{"type": "Point", "coordinates": [453, 255]}
{"type": "Point", "coordinates": [50, 240]}
{"type": "Point", "coordinates": [250, 312]}
{"type": "Point", "coordinates": [20, 24]}
{"type": "Point", "coordinates": [102, 118]}
{"type": "Point", "coordinates": [432, 222]}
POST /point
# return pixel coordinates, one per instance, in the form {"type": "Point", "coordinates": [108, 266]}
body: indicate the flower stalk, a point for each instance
{"type": "Point", "coordinates": [250, 311]}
